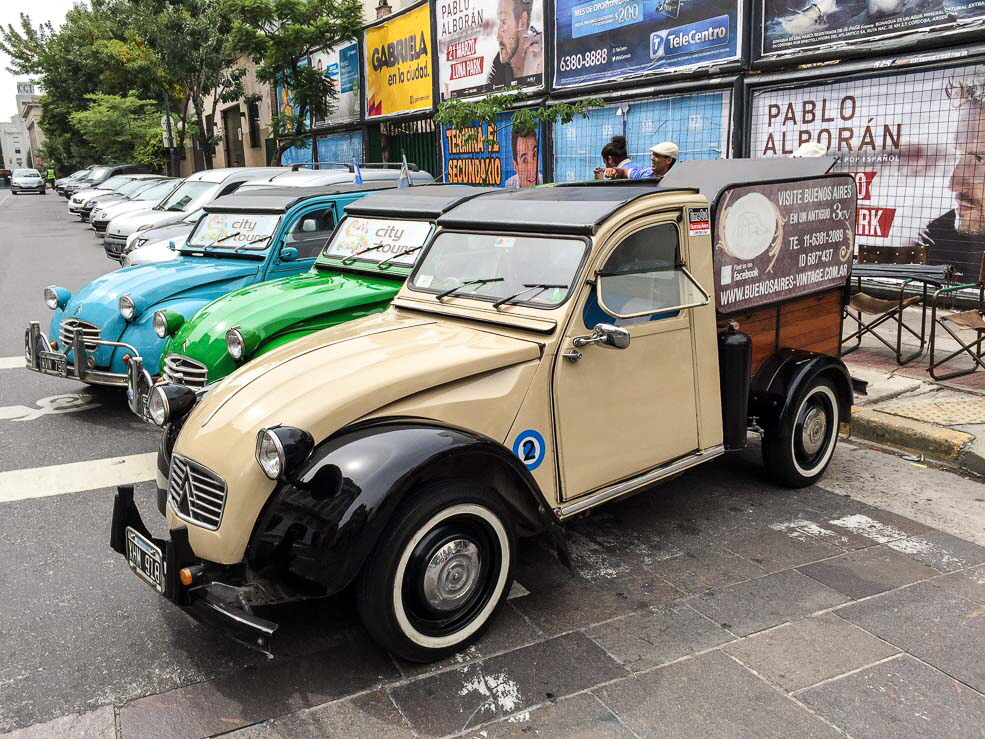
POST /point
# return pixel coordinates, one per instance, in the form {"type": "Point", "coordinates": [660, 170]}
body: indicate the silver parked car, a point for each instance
{"type": "Point", "coordinates": [145, 199]}
{"type": "Point", "coordinates": [26, 180]}
{"type": "Point", "coordinates": [154, 244]}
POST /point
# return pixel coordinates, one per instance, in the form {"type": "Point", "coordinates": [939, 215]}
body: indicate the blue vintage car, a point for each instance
{"type": "Point", "coordinates": [241, 239]}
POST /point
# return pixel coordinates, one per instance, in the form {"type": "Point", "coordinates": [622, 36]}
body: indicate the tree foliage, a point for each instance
{"type": "Point", "coordinates": [117, 125]}
{"type": "Point", "coordinates": [456, 113]}
{"type": "Point", "coordinates": [279, 35]}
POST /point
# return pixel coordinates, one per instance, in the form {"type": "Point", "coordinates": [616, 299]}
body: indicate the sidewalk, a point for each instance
{"type": "Point", "coordinates": [905, 408]}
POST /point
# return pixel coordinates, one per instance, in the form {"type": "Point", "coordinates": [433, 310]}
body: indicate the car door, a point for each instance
{"type": "Point", "coordinates": [307, 233]}
{"type": "Point", "coordinates": [621, 412]}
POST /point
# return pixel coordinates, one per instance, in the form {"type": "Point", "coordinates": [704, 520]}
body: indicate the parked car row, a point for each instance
{"type": "Point", "coordinates": [367, 386]}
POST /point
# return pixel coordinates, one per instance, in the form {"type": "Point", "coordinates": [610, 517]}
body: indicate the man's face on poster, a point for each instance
{"type": "Point", "coordinates": [525, 160]}
{"type": "Point", "coordinates": [968, 176]}
{"type": "Point", "coordinates": [509, 30]}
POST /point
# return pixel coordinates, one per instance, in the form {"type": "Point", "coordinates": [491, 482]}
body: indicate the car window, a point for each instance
{"type": "Point", "coordinates": [538, 270]}
{"type": "Point", "coordinates": [375, 240]}
{"type": "Point", "coordinates": [310, 232]}
{"type": "Point", "coordinates": [114, 182]}
{"type": "Point", "coordinates": [645, 276]}
{"type": "Point", "coordinates": [155, 191]}
{"type": "Point", "coordinates": [100, 173]}
{"type": "Point", "coordinates": [188, 196]}
{"type": "Point", "coordinates": [135, 186]}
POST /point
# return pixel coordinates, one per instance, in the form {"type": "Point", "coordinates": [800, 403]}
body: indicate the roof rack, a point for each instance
{"type": "Point", "coordinates": [351, 167]}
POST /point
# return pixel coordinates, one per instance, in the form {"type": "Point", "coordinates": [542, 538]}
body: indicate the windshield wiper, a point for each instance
{"type": "Point", "coordinates": [538, 286]}
{"type": "Point", "coordinates": [352, 257]}
{"type": "Point", "coordinates": [224, 238]}
{"type": "Point", "coordinates": [398, 255]}
{"type": "Point", "coordinates": [238, 249]}
{"type": "Point", "coordinates": [467, 283]}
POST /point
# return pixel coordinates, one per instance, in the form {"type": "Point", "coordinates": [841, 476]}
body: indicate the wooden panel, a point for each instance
{"type": "Point", "coordinates": [812, 323]}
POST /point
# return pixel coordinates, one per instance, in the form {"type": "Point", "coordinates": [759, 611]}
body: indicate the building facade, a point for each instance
{"type": "Point", "coordinates": [29, 112]}
{"type": "Point", "coordinates": [15, 144]}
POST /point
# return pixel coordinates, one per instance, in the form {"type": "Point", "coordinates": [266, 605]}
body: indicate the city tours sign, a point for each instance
{"type": "Point", "coordinates": [397, 55]}
{"type": "Point", "coordinates": [492, 155]}
{"type": "Point", "coordinates": [812, 28]}
{"type": "Point", "coordinates": [488, 45]}
{"type": "Point", "coordinates": [778, 241]}
{"type": "Point", "coordinates": [911, 140]}
{"type": "Point", "coordinates": [602, 40]}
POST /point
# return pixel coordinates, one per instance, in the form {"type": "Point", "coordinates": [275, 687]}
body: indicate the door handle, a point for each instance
{"type": "Point", "coordinates": [572, 356]}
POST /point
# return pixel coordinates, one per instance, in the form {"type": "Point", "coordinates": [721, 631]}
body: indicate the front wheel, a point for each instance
{"type": "Point", "coordinates": [799, 450]}
{"type": "Point", "coordinates": [439, 573]}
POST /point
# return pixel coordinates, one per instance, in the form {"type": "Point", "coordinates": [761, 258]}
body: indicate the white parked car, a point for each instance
{"type": "Point", "coordinates": [145, 199]}
{"type": "Point", "coordinates": [119, 187]}
{"type": "Point", "coordinates": [155, 244]}
{"type": "Point", "coordinates": [332, 173]}
{"type": "Point", "coordinates": [194, 192]}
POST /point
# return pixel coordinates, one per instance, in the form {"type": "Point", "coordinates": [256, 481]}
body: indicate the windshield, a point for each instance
{"type": "Point", "coordinates": [539, 271]}
{"type": "Point", "coordinates": [133, 186]}
{"type": "Point", "coordinates": [378, 240]}
{"type": "Point", "coordinates": [188, 196]}
{"type": "Point", "coordinates": [235, 230]}
{"type": "Point", "coordinates": [99, 174]}
{"type": "Point", "coordinates": [26, 173]}
{"type": "Point", "coordinates": [155, 191]}
{"type": "Point", "coordinates": [114, 183]}
{"type": "Point", "coordinates": [193, 216]}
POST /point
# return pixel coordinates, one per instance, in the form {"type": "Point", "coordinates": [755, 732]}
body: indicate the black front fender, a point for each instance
{"type": "Point", "coordinates": [782, 377]}
{"type": "Point", "coordinates": [318, 529]}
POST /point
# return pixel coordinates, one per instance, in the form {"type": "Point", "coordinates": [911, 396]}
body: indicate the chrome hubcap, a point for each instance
{"type": "Point", "coordinates": [814, 430]}
{"type": "Point", "coordinates": [451, 575]}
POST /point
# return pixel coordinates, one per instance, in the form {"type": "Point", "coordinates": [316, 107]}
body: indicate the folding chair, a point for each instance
{"type": "Point", "coordinates": [882, 310]}
{"type": "Point", "coordinates": [968, 320]}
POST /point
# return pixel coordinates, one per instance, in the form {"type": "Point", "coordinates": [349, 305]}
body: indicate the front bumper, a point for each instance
{"type": "Point", "coordinates": [114, 246]}
{"type": "Point", "coordinates": [222, 605]}
{"type": "Point", "coordinates": [39, 357]}
{"type": "Point", "coordinates": [139, 385]}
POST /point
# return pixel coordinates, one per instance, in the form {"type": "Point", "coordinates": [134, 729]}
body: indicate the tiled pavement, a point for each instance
{"type": "Point", "coordinates": [730, 610]}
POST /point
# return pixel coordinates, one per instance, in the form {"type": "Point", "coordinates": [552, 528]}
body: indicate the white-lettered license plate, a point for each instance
{"type": "Point", "coordinates": [53, 363]}
{"type": "Point", "coordinates": [145, 559]}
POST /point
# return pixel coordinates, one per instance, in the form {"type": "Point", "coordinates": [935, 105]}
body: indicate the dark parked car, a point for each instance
{"type": "Point", "coordinates": [99, 174]}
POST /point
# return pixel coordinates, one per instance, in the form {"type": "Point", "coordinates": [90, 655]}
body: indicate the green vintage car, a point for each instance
{"type": "Point", "coordinates": [358, 272]}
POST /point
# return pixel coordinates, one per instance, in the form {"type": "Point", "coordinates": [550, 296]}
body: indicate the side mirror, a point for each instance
{"type": "Point", "coordinates": [288, 254]}
{"type": "Point", "coordinates": [308, 225]}
{"type": "Point", "coordinates": [605, 334]}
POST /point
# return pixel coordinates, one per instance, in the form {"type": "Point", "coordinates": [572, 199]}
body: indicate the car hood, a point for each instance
{"type": "Point", "coordinates": [148, 285]}
{"type": "Point", "coordinates": [155, 251]}
{"type": "Point", "coordinates": [331, 378]}
{"type": "Point", "coordinates": [266, 309]}
{"type": "Point", "coordinates": [124, 225]}
{"type": "Point", "coordinates": [116, 210]}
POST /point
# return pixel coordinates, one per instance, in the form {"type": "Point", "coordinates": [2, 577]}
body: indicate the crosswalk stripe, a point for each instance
{"type": "Point", "coordinates": [11, 362]}
{"type": "Point", "coordinates": [40, 482]}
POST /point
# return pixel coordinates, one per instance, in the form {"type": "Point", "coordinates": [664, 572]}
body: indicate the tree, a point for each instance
{"type": "Point", "coordinates": [117, 126]}
{"type": "Point", "coordinates": [279, 35]}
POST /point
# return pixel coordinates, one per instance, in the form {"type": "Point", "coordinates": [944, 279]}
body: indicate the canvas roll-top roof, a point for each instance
{"type": "Point", "coordinates": [419, 201]}
{"type": "Point", "coordinates": [567, 209]}
{"type": "Point", "coordinates": [279, 199]}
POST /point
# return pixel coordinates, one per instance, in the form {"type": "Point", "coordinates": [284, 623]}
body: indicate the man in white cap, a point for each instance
{"type": "Point", "coordinates": [662, 158]}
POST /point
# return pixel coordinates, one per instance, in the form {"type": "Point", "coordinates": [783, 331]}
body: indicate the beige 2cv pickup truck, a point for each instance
{"type": "Point", "coordinates": [554, 349]}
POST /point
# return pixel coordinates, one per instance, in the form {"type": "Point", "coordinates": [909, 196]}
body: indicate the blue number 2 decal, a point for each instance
{"type": "Point", "coordinates": [529, 447]}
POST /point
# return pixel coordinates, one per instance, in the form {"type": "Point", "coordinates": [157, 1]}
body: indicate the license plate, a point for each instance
{"type": "Point", "coordinates": [53, 363]}
{"type": "Point", "coordinates": [145, 560]}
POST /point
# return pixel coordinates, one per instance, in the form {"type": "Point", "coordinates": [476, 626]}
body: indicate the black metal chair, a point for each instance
{"type": "Point", "coordinates": [967, 320]}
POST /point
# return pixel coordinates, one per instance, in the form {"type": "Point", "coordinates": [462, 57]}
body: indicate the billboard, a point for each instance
{"type": "Point", "coordinates": [487, 45]}
{"type": "Point", "coordinates": [815, 27]}
{"type": "Point", "coordinates": [602, 40]}
{"type": "Point", "coordinates": [492, 155]}
{"type": "Point", "coordinates": [398, 64]}
{"type": "Point", "coordinates": [778, 241]}
{"type": "Point", "coordinates": [699, 123]}
{"type": "Point", "coordinates": [912, 142]}
{"type": "Point", "coordinates": [342, 66]}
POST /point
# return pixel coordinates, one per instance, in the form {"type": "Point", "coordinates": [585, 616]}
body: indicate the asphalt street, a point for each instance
{"type": "Point", "coordinates": [715, 605]}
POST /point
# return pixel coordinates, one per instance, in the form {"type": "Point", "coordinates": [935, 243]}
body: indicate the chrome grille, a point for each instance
{"type": "Point", "coordinates": [99, 226]}
{"type": "Point", "coordinates": [66, 332]}
{"type": "Point", "coordinates": [195, 493]}
{"type": "Point", "coordinates": [184, 371]}
{"type": "Point", "coordinates": [116, 239]}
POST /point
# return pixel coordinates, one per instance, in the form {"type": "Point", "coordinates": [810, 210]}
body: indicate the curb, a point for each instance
{"type": "Point", "coordinates": [935, 442]}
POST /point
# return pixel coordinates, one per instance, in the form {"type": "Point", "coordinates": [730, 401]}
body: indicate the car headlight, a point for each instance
{"type": "Point", "coordinates": [56, 297]}
{"type": "Point", "coordinates": [282, 449]}
{"type": "Point", "coordinates": [235, 344]}
{"type": "Point", "coordinates": [168, 403]}
{"type": "Point", "coordinates": [127, 309]}
{"type": "Point", "coordinates": [167, 322]}
{"type": "Point", "coordinates": [137, 243]}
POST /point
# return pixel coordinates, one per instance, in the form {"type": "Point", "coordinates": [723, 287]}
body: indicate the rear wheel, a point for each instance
{"type": "Point", "coordinates": [799, 450]}
{"type": "Point", "coordinates": [439, 573]}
